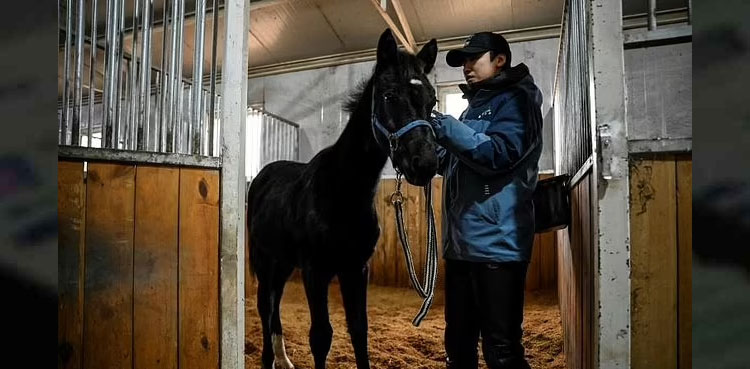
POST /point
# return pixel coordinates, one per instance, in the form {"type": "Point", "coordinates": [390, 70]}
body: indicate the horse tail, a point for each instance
{"type": "Point", "coordinates": [248, 248]}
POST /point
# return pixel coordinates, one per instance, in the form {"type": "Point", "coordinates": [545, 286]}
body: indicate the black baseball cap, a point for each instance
{"type": "Point", "coordinates": [478, 43]}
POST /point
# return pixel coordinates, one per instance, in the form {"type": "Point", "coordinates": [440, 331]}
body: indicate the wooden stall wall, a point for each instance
{"type": "Point", "coordinates": [387, 265]}
{"type": "Point", "coordinates": [575, 257]}
{"type": "Point", "coordinates": [661, 259]}
{"type": "Point", "coordinates": [138, 267]}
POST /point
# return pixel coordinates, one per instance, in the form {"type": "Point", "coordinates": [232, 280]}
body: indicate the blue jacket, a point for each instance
{"type": "Point", "coordinates": [489, 161]}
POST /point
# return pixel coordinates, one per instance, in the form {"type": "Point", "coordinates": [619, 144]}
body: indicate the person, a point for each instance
{"type": "Point", "coordinates": [489, 160]}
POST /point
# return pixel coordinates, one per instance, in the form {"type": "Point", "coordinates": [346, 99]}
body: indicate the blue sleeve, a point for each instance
{"type": "Point", "coordinates": [501, 146]}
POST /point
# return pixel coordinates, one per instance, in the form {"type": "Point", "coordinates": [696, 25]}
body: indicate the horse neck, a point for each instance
{"type": "Point", "coordinates": [358, 154]}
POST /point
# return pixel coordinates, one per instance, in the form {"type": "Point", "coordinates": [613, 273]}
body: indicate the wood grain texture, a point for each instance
{"type": "Point", "coordinates": [71, 216]}
{"type": "Point", "coordinates": [653, 224]}
{"type": "Point", "coordinates": [155, 267]}
{"type": "Point", "coordinates": [108, 296]}
{"type": "Point", "coordinates": [198, 269]}
{"type": "Point", "coordinates": [685, 260]}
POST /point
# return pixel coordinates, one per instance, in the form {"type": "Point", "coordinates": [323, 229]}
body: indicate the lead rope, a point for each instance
{"type": "Point", "coordinates": [427, 291]}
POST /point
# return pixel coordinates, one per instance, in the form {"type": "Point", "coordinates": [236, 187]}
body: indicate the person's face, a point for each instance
{"type": "Point", "coordinates": [480, 67]}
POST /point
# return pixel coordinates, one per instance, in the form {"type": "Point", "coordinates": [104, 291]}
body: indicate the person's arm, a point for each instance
{"type": "Point", "coordinates": [501, 146]}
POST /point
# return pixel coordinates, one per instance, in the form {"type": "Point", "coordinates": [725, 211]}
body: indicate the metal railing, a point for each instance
{"type": "Point", "coordinates": [269, 138]}
{"type": "Point", "coordinates": [140, 106]}
{"type": "Point", "coordinates": [572, 90]}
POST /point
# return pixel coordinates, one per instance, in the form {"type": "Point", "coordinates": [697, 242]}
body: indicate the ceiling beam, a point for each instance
{"type": "Point", "coordinates": [393, 26]}
{"type": "Point", "coordinates": [404, 23]}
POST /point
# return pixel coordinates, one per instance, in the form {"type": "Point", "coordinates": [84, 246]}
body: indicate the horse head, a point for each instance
{"type": "Point", "coordinates": [402, 94]}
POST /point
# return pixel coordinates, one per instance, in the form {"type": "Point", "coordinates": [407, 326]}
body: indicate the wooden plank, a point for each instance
{"type": "Point", "coordinates": [586, 276]}
{"type": "Point", "coordinates": [533, 272]}
{"type": "Point", "coordinates": [155, 267]}
{"type": "Point", "coordinates": [654, 264]}
{"type": "Point", "coordinates": [392, 256]}
{"type": "Point", "coordinates": [685, 260]}
{"type": "Point", "coordinates": [71, 216]}
{"type": "Point", "coordinates": [548, 256]}
{"type": "Point", "coordinates": [108, 295]}
{"type": "Point", "coordinates": [574, 344]}
{"type": "Point", "coordinates": [198, 269]}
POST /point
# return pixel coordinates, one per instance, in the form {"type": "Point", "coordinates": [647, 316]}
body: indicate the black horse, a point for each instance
{"type": "Point", "coordinates": [320, 216]}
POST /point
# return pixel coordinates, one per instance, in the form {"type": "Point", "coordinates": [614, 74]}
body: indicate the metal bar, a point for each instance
{"type": "Point", "coordinates": [120, 46]}
{"type": "Point", "coordinates": [75, 136]}
{"type": "Point", "coordinates": [109, 58]}
{"type": "Point", "coordinates": [66, 73]}
{"type": "Point", "coordinates": [133, 120]}
{"type": "Point", "coordinates": [188, 127]}
{"type": "Point", "coordinates": [198, 45]}
{"type": "Point", "coordinates": [690, 12]}
{"type": "Point", "coordinates": [92, 73]}
{"type": "Point", "coordinates": [163, 86]}
{"type": "Point", "coordinates": [142, 129]}
{"type": "Point", "coordinates": [112, 155]}
{"type": "Point", "coordinates": [212, 88]}
{"type": "Point", "coordinates": [178, 75]}
{"type": "Point", "coordinates": [232, 236]}
{"type": "Point", "coordinates": [651, 15]}
{"type": "Point", "coordinates": [174, 81]}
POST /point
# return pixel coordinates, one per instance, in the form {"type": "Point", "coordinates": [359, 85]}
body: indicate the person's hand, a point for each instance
{"type": "Point", "coordinates": [436, 115]}
{"type": "Point", "coordinates": [435, 121]}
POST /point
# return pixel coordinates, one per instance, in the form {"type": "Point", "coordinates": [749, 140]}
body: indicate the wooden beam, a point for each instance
{"type": "Point", "coordinates": [404, 23]}
{"type": "Point", "coordinates": [393, 26]}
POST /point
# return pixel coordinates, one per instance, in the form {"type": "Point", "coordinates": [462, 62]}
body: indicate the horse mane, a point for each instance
{"type": "Point", "coordinates": [352, 101]}
{"type": "Point", "coordinates": [409, 66]}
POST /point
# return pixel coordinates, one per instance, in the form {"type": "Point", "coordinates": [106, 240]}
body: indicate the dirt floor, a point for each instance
{"type": "Point", "coordinates": [394, 342]}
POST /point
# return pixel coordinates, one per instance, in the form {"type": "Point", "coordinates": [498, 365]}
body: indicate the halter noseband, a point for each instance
{"type": "Point", "coordinates": [392, 137]}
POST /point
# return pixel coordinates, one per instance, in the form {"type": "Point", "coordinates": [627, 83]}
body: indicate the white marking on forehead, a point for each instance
{"type": "Point", "coordinates": [415, 81]}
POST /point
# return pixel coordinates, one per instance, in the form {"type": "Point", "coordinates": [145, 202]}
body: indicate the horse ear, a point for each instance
{"type": "Point", "coordinates": [428, 54]}
{"type": "Point", "coordinates": [387, 49]}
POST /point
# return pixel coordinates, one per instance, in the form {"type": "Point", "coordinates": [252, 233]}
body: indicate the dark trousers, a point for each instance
{"type": "Point", "coordinates": [486, 299]}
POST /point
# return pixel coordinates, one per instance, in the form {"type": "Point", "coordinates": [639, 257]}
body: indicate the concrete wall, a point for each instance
{"type": "Point", "coordinates": [659, 87]}
{"type": "Point", "coordinates": [314, 98]}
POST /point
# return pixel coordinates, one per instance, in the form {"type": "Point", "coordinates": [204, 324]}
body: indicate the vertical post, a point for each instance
{"type": "Point", "coordinates": [143, 130]}
{"type": "Point", "coordinates": [196, 123]}
{"type": "Point", "coordinates": [610, 191]}
{"type": "Point", "coordinates": [212, 88]}
{"type": "Point", "coordinates": [651, 15]}
{"type": "Point", "coordinates": [134, 71]}
{"type": "Point", "coordinates": [178, 106]}
{"type": "Point", "coordinates": [233, 117]}
{"type": "Point", "coordinates": [690, 11]}
{"type": "Point", "coordinates": [66, 71]}
{"type": "Point", "coordinates": [109, 57]}
{"type": "Point", "coordinates": [78, 85]}
{"type": "Point", "coordinates": [163, 83]}
{"type": "Point", "coordinates": [120, 89]}
{"type": "Point", "coordinates": [92, 73]}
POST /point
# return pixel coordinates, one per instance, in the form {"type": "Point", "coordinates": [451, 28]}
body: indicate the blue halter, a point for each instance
{"type": "Point", "coordinates": [392, 137]}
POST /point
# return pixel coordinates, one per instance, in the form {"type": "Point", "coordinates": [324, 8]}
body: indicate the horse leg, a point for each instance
{"type": "Point", "coordinates": [281, 360]}
{"type": "Point", "coordinates": [321, 332]}
{"type": "Point", "coordinates": [354, 292]}
{"type": "Point", "coordinates": [271, 279]}
{"type": "Point", "coordinates": [265, 301]}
